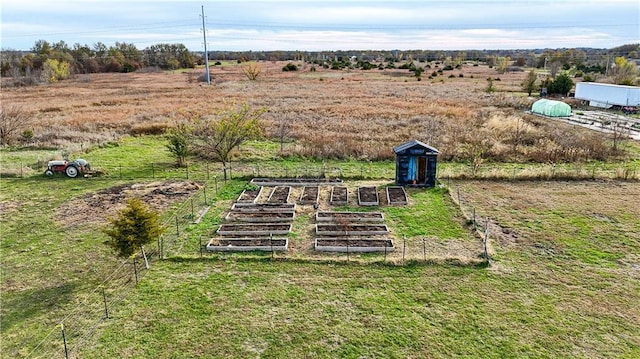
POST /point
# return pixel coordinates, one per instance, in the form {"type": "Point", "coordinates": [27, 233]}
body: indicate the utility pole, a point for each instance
{"type": "Point", "coordinates": [206, 54]}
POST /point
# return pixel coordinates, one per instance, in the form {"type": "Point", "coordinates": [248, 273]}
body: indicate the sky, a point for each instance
{"type": "Point", "coordinates": [326, 25]}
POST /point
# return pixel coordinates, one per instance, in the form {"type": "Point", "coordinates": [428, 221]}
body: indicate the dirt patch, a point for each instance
{"type": "Point", "coordinates": [97, 207]}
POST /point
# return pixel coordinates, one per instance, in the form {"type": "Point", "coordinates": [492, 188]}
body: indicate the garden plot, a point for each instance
{"type": "Point", "coordinates": [351, 217]}
{"type": "Point", "coordinates": [294, 181]}
{"type": "Point", "coordinates": [350, 229]}
{"type": "Point", "coordinates": [260, 217]}
{"type": "Point", "coordinates": [353, 245]}
{"type": "Point", "coordinates": [279, 194]}
{"type": "Point", "coordinates": [368, 196]}
{"type": "Point", "coordinates": [263, 207]}
{"type": "Point", "coordinates": [339, 195]}
{"type": "Point", "coordinates": [396, 195]}
{"type": "Point", "coordinates": [247, 244]}
{"type": "Point", "coordinates": [250, 229]}
{"type": "Point", "coordinates": [310, 195]}
{"type": "Point", "coordinates": [249, 196]}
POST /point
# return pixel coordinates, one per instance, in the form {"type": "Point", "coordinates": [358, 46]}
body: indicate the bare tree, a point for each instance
{"type": "Point", "coordinates": [619, 133]}
{"type": "Point", "coordinates": [12, 119]}
{"type": "Point", "coordinates": [252, 70]}
{"type": "Point", "coordinates": [284, 130]}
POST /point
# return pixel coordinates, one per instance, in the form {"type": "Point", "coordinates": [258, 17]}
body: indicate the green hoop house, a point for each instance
{"type": "Point", "coordinates": [551, 108]}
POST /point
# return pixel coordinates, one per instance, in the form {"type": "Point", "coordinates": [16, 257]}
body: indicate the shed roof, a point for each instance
{"type": "Point", "coordinates": [414, 143]}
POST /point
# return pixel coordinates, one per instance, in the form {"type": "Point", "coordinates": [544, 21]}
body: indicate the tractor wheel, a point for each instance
{"type": "Point", "coordinates": [48, 173]}
{"type": "Point", "coordinates": [71, 172]}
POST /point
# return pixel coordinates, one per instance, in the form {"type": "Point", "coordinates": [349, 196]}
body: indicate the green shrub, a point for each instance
{"type": "Point", "coordinates": [290, 67]}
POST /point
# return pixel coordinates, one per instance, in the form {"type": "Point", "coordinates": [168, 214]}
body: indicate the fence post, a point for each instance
{"type": "Point", "coordinates": [474, 218]}
{"type": "Point", "coordinates": [135, 269]}
{"type": "Point", "coordinates": [424, 249]}
{"type": "Point", "coordinates": [271, 244]}
{"type": "Point", "coordinates": [186, 166]}
{"type": "Point", "coordinates": [104, 299]}
{"type": "Point", "coordinates": [200, 240]}
{"type": "Point", "coordinates": [485, 252]}
{"type": "Point", "coordinates": [64, 341]}
{"type": "Point", "coordinates": [192, 214]}
{"type": "Point", "coordinates": [385, 251]}
{"type": "Point", "coordinates": [404, 246]}
{"type": "Point", "coordinates": [205, 194]}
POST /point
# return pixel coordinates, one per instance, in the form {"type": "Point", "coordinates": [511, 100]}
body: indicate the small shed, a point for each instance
{"type": "Point", "coordinates": [416, 164]}
{"type": "Point", "coordinates": [551, 108]}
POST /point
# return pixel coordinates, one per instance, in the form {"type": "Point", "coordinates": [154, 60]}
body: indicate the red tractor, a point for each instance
{"type": "Point", "coordinates": [69, 168]}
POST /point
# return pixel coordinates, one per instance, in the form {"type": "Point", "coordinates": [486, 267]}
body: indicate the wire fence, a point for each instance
{"type": "Point", "coordinates": [209, 171]}
{"type": "Point", "coordinates": [75, 330]}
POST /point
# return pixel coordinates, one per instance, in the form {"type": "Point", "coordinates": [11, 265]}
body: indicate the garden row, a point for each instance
{"type": "Point", "coordinates": [251, 223]}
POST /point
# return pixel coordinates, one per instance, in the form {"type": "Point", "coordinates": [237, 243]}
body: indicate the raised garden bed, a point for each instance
{"type": "Point", "coordinates": [349, 217]}
{"type": "Point", "coordinates": [247, 244]}
{"type": "Point", "coordinates": [263, 207]}
{"type": "Point", "coordinates": [249, 196]}
{"type": "Point", "coordinates": [249, 229]}
{"type": "Point", "coordinates": [368, 196]}
{"type": "Point", "coordinates": [310, 195]}
{"type": "Point", "coordinates": [332, 229]}
{"type": "Point", "coordinates": [279, 194]}
{"type": "Point", "coordinates": [396, 195]}
{"type": "Point", "coordinates": [339, 195]}
{"type": "Point", "coordinates": [260, 217]}
{"type": "Point", "coordinates": [294, 181]}
{"type": "Point", "coordinates": [353, 245]}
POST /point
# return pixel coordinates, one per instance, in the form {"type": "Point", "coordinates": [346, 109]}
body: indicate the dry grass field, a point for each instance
{"type": "Point", "coordinates": [330, 114]}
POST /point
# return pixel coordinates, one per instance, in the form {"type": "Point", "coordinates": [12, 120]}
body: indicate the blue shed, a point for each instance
{"type": "Point", "coordinates": [416, 164]}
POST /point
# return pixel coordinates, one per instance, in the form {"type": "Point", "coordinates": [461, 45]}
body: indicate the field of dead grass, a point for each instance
{"type": "Point", "coordinates": [328, 113]}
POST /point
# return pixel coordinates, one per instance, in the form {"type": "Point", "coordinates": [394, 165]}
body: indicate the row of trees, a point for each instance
{"type": "Point", "coordinates": [121, 57]}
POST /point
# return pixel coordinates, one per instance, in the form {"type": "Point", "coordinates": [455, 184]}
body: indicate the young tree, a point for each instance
{"type": "Point", "coordinates": [178, 144]}
{"type": "Point", "coordinates": [624, 72]}
{"type": "Point", "coordinates": [216, 137]}
{"type": "Point", "coordinates": [134, 227]}
{"type": "Point", "coordinates": [529, 84]}
{"type": "Point", "coordinates": [561, 85]}
{"type": "Point", "coordinates": [251, 70]}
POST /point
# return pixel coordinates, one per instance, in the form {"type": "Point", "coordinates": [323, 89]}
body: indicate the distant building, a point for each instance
{"type": "Point", "coordinates": [416, 164]}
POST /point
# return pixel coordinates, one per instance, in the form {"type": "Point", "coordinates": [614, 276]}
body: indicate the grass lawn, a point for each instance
{"type": "Point", "coordinates": [564, 283]}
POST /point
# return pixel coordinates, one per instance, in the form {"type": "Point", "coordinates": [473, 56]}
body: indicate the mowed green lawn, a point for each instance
{"type": "Point", "coordinates": [535, 300]}
{"type": "Point", "coordinates": [569, 286]}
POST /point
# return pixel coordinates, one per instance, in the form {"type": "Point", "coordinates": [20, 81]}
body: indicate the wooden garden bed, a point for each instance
{"type": "Point", "coordinates": [260, 217]}
{"type": "Point", "coordinates": [353, 245]}
{"type": "Point", "coordinates": [263, 207]}
{"type": "Point", "coordinates": [249, 196]}
{"type": "Point", "coordinates": [350, 217]}
{"type": "Point", "coordinates": [249, 229]}
{"type": "Point", "coordinates": [331, 229]}
{"type": "Point", "coordinates": [396, 195]}
{"type": "Point", "coordinates": [310, 195]}
{"type": "Point", "coordinates": [279, 194]}
{"type": "Point", "coordinates": [368, 196]}
{"type": "Point", "coordinates": [247, 244]}
{"type": "Point", "coordinates": [339, 195]}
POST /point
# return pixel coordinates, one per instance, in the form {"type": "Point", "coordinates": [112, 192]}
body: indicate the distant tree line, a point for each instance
{"type": "Point", "coordinates": [80, 59]}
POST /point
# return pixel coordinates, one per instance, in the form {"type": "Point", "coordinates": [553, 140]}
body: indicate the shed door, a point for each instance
{"type": "Point", "coordinates": [431, 171]}
{"type": "Point", "coordinates": [422, 170]}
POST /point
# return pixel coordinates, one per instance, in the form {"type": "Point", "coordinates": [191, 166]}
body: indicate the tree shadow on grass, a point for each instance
{"type": "Point", "coordinates": [19, 307]}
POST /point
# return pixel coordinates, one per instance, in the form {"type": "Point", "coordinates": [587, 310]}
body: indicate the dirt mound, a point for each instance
{"type": "Point", "coordinates": [99, 206]}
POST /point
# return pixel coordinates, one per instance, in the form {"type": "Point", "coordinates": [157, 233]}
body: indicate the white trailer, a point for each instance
{"type": "Point", "coordinates": [607, 95]}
